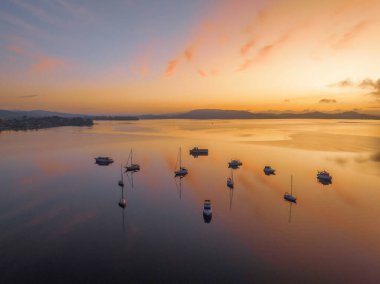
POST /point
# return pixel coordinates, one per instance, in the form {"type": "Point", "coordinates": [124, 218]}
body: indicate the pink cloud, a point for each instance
{"type": "Point", "coordinates": [48, 64]}
{"type": "Point", "coordinates": [188, 54]}
{"type": "Point", "coordinates": [202, 73]}
{"type": "Point", "coordinates": [350, 35]}
{"type": "Point", "coordinates": [247, 63]}
{"type": "Point", "coordinates": [172, 65]}
{"type": "Point", "coordinates": [247, 46]}
{"type": "Point", "coordinates": [16, 49]}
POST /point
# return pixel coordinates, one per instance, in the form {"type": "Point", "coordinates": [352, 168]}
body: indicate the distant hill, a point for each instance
{"type": "Point", "coordinates": [196, 114]}
{"type": "Point", "coordinates": [241, 114]}
{"type": "Point", "coordinates": [11, 114]}
{"type": "Point", "coordinates": [35, 113]}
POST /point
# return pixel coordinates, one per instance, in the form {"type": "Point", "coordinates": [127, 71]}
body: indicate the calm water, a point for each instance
{"type": "Point", "coordinates": [60, 220]}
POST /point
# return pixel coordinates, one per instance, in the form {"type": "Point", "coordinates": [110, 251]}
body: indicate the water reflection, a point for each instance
{"type": "Point", "coordinates": [178, 184]}
{"type": "Point", "coordinates": [290, 211]}
{"type": "Point", "coordinates": [122, 203]}
{"type": "Point", "coordinates": [121, 181]}
{"type": "Point", "coordinates": [85, 216]}
{"type": "Point", "coordinates": [230, 186]}
{"type": "Point", "coordinates": [130, 178]}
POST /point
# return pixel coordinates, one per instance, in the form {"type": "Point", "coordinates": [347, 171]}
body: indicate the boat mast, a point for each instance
{"type": "Point", "coordinates": [291, 184]}
{"type": "Point", "coordinates": [131, 157]}
{"type": "Point", "coordinates": [121, 171]}
{"type": "Point", "coordinates": [180, 162]}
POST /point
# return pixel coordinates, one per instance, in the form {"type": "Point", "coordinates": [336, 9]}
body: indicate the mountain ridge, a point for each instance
{"type": "Point", "coordinates": [198, 114]}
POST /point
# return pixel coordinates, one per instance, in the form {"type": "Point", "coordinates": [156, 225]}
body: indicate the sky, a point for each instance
{"type": "Point", "coordinates": [139, 56]}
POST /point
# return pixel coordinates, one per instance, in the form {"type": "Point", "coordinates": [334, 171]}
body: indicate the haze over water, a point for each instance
{"type": "Point", "coordinates": [60, 220]}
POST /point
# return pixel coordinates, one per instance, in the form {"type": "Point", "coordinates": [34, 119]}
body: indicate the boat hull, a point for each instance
{"type": "Point", "coordinates": [290, 198]}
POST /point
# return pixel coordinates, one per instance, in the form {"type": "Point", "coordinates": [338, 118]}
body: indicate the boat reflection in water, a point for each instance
{"type": "Point", "coordinates": [178, 184]}
{"type": "Point", "coordinates": [121, 181]}
{"type": "Point", "coordinates": [290, 211]}
{"type": "Point", "coordinates": [122, 203]}
{"type": "Point", "coordinates": [230, 186]}
{"type": "Point", "coordinates": [196, 152]}
{"type": "Point", "coordinates": [207, 211]}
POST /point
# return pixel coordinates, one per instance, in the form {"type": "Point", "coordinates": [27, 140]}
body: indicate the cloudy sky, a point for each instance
{"type": "Point", "coordinates": [136, 56]}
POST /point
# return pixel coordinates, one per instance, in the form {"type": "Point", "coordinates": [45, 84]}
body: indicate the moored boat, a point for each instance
{"type": "Point", "coordinates": [103, 161]}
{"type": "Point", "coordinates": [269, 171]}
{"type": "Point", "coordinates": [181, 171]}
{"type": "Point", "coordinates": [131, 167]}
{"type": "Point", "coordinates": [195, 152]}
{"type": "Point", "coordinates": [324, 176]}
{"type": "Point", "coordinates": [289, 196]}
{"type": "Point", "coordinates": [235, 164]}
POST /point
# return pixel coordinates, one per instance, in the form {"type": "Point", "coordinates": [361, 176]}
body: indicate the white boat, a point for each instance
{"type": "Point", "coordinates": [181, 171]}
{"type": "Point", "coordinates": [121, 181]}
{"type": "Point", "coordinates": [131, 167]}
{"type": "Point", "coordinates": [269, 171]}
{"type": "Point", "coordinates": [324, 176]}
{"type": "Point", "coordinates": [207, 211]}
{"type": "Point", "coordinates": [195, 152]}
{"type": "Point", "coordinates": [103, 160]}
{"type": "Point", "coordinates": [289, 196]}
{"type": "Point", "coordinates": [234, 164]}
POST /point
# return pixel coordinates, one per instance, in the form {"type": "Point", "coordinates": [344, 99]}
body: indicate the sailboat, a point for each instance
{"type": "Point", "coordinates": [182, 171]}
{"type": "Point", "coordinates": [130, 165]}
{"type": "Point", "coordinates": [289, 196]}
{"type": "Point", "coordinates": [121, 181]}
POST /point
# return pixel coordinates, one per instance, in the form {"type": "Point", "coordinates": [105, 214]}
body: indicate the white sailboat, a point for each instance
{"type": "Point", "coordinates": [182, 171]}
{"type": "Point", "coordinates": [121, 181]}
{"type": "Point", "coordinates": [130, 165]}
{"type": "Point", "coordinates": [207, 211]}
{"type": "Point", "coordinates": [289, 196]}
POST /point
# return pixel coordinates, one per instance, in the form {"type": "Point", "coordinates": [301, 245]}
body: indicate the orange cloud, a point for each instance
{"type": "Point", "coordinates": [188, 54]}
{"type": "Point", "coordinates": [172, 65]}
{"type": "Point", "coordinates": [245, 65]}
{"type": "Point", "coordinates": [247, 46]}
{"type": "Point", "coordinates": [202, 73]}
{"type": "Point", "coordinates": [267, 49]}
{"type": "Point", "coordinates": [350, 35]}
{"type": "Point", "coordinates": [48, 64]}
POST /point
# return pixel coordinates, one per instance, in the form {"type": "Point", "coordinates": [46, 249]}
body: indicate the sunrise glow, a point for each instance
{"type": "Point", "coordinates": [133, 57]}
